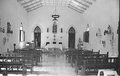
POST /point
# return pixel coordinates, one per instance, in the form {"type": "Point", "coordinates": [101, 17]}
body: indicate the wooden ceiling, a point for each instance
{"type": "Point", "coordinates": [77, 5]}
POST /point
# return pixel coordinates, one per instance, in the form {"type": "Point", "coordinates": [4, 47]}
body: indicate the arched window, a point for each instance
{"type": "Point", "coordinates": [71, 38]}
{"type": "Point", "coordinates": [54, 27]}
{"type": "Point", "coordinates": [37, 37]}
{"type": "Point", "coordinates": [47, 30]}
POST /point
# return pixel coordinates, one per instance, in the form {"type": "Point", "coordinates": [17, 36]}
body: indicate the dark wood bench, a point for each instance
{"type": "Point", "coordinates": [36, 54]}
{"type": "Point", "coordinates": [80, 59]}
{"type": "Point", "coordinates": [23, 53]}
{"type": "Point", "coordinates": [82, 54]}
{"type": "Point", "coordinates": [91, 66]}
{"type": "Point", "coordinates": [94, 59]}
{"type": "Point", "coordinates": [12, 66]}
{"type": "Point", "coordinates": [71, 53]}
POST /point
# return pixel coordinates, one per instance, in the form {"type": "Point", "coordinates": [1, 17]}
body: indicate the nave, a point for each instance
{"type": "Point", "coordinates": [52, 64]}
{"type": "Point", "coordinates": [55, 65]}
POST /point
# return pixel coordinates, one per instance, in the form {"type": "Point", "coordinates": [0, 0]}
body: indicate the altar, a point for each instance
{"type": "Point", "coordinates": [54, 46]}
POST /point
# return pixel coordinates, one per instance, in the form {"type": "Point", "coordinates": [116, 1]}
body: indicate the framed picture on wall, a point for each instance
{"type": "Point", "coordinates": [9, 28]}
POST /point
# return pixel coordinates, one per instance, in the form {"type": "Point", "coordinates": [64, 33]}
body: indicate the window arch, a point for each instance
{"type": "Point", "coordinates": [71, 30]}
{"type": "Point", "coordinates": [37, 37]}
{"type": "Point", "coordinates": [37, 29]}
{"type": "Point", "coordinates": [71, 38]}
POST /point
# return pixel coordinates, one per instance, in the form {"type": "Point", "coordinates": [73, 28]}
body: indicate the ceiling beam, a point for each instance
{"type": "Point", "coordinates": [87, 2]}
{"type": "Point", "coordinates": [81, 3]}
{"type": "Point", "coordinates": [31, 4]}
{"type": "Point", "coordinates": [74, 8]}
{"type": "Point", "coordinates": [82, 7]}
{"type": "Point", "coordinates": [34, 6]}
{"type": "Point", "coordinates": [27, 2]}
{"type": "Point", "coordinates": [78, 5]}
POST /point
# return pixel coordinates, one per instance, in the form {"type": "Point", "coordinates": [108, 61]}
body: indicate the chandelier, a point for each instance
{"type": "Point", "coordinates": [55, 14]}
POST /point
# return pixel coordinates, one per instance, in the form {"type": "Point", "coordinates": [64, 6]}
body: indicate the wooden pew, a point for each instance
{"type": "Point", "coordinates": [12, 67]}
{"type": "Point", "coordinates": [36, 54]}
{"type": "Point", "coordinates": [83, 53]}
{"type": "Point", "coordinates": [71, 53]}
{"type": "Point", "coordinates": [92, 65]}
{"type": "Point", "coordinates": [80, 59]}
{"type": "Point", "coordinates": [93, 58]}
{"type": "Point", "coordinates": [21, 54]}
{"type": "Point", "coordinates": [27, 60]}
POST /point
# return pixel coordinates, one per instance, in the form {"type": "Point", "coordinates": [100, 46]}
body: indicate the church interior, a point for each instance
{"type": "Point", "coordinates": [59, 38]}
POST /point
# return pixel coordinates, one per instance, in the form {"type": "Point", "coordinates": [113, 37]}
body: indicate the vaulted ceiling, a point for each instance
{"type": "Point", "coordinates": [77, 5]}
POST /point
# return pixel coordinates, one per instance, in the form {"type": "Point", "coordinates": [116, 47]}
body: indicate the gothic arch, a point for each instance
{"type": "Point", "coordinates": [37, 29]}
{"type": "Point", "coordinates": [37, 37]}
{"type": "Point", "coordinates": [36, 26]}
{"type": "Point", "coordinates": [71, 37]}
{"type": "Point", "coordinates": [72, 30]}
{"type": "Point", "coordinates": [70, 27]}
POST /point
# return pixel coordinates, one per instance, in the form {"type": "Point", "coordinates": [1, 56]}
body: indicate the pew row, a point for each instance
{"type": "Point", "coordinates": [72, 55]}
{"type": "Point", "coordinates": [80, 58]}
{"type": "Point", "coordinates": [15, 65]}
{"type": "Point", "coordinates": [90, 66]}
{"type": "Point", "coordinates": [36, 54]}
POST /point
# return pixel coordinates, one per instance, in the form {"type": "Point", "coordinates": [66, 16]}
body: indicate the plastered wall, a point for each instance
{"type": "Point", "coordinates": [11, 11]}
{"type": "Point", "coordinates": [100, 15]}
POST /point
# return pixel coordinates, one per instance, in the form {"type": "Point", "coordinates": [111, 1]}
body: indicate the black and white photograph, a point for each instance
{"type": "Point", "coordinates": [59, 38]}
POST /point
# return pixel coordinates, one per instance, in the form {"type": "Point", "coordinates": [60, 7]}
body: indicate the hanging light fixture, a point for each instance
{"type": "Point", "coordinates": [55, 15]}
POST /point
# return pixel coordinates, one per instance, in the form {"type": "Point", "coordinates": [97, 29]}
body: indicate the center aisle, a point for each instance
{"type": "Point", "coordinates": [54, 64]}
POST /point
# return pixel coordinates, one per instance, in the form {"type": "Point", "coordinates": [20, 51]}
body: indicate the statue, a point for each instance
{"type": "Point", "coordinates": [80, 43]}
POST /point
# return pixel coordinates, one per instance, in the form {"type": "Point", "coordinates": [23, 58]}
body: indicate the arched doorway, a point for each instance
{"type": "Point", "coordinates": [71, 38]}
{"type": "Point", "coordinates": [37, 37]}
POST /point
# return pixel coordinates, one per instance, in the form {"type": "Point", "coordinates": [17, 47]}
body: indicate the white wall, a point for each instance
{"type": "Point", "coordinates": [42, 17]}
{"type": "Point", "coordinates": [11, 11]}
{"type": "Point", "coordinates": [100, 15]}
